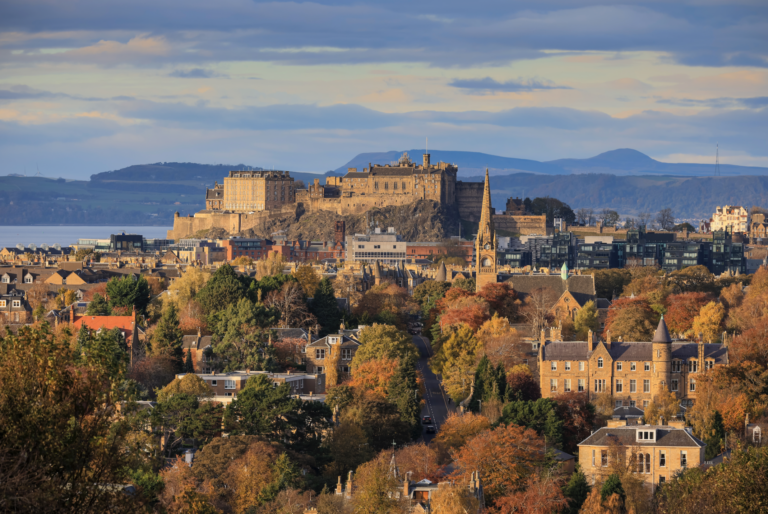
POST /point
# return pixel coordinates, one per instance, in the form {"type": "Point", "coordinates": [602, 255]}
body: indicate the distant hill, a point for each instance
{"type": "Point", "coordinates": [623, 161]}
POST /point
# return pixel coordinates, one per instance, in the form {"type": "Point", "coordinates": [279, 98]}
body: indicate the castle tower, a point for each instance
{"type": "Point", "coordinates": [485, 247]}
{"type": "Point", "coordinates": [662, 358]}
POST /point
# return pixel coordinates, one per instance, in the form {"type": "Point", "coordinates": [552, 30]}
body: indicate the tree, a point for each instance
{"type": "Point", "coordinates": [454, 358]}
{"type": "Point", "coordinates": [349, 446]}
{"type": "Point", "coordinates": [537, 306]}
{"type": "Point", "coordinates": [456, 430]}
{"type": "Point", "coordinates": [58, 430]}
{"type": "Point", "coordinates": [419, 459]}
{"type": "Point", "coordinates": [428, 293]}
{"type": "Point", "coordinates": [453, 499]}
{"type": "Point", "coordinates": [259, 475]}
{"type": "Point", "coordinates": [189, 384]}
{"type": "Point", "coordinates": [128, 292]}
{"type": "Point", "coordinates": [183, 416]}
{"type": "Point", "coordinates": [542, 495]}
{"type": "Point", "coordinates": [292, 305]}
{"type": "Point", "coordinates": [521, 384]}
{"type": "Point", "coordinates": [186, 287]}
{"type": "Point", "coordinates": [609, 217]}
{"type": "Point", "coordinates": [153, 373]}
{"type": "Point", "coordinates": [684, 227]}
{"type": "Point", "coordinates": [402, 390]}
{"type": "Point", "coordinates": [505, 457]}
{"type": "Point", "coordinates": [65, 298]}
{"type": "Point", "coordinates": [611, 486]}
{"type": "Point", "coordinates": [325, 308]}
{"type": "Point", "coordinates": [374, 485]}
{"type": "Point", "coordinates": [586, 320]}
{"type": "Point", "coordinates": [576, 491]}
{"type": "Point", "coordinates": [308, 279]}
{"type": "Point", "coordinates": [644, 218]}
{"type": "Point", "coordinates": [540, 415]}
{"type": "Point", "coordinates": [332, 366]}
{"type": "Point", "coordinates": [167, 338]}
{"type": "Point", "coordinates": [380, 420]}
{"type": "Point", "coordinates": [490, 385]}
{"type": "Point", "coordinates": [386, 303]}
{"type": "Point", "coordinates": [272, 264]}
{"type": "Point", "coordinates": [682, 309]}
{"type": "Point", "coordinates": [501, 343]}
{"type": "Point", "coordinates": [665, 219]}
{"type": "Point", "coordinates": [578, 416]}
{"type": "Point", "coordinates": [240, 335]}
{"type": "Point", "coordinates": [384, 341]}
{"type": "Point", "coordinates": [582, 216]}
{"type": "Point", "coordinates": [632, 319]}
{"type": "Point", "coordinates": [220, 291]}
{"type": "Point", "coordinates": [709, 322]}
{"type": "Point", "coordinates": [189, 366]}
{"type": "Point", "coordinates": [470, 310]}
{"type": "Point", "coordinates": [373, 376]}
{"type": "Point", "coordinates": [467, 284]}
{"type": "Point", "coordinates": [715, 438]}
{"type": "Point", "coordinates": [501, 298]}
{"type": "Point", "coordinates": [692, 279]}
{"type": "Point", "coordinates": [98, 306]}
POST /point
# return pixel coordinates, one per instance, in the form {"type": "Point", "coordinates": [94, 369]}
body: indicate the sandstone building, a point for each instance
{"type": "Point", "coordinates": [732, 218]}
{"type": "Point", "coordinates": [631, 372]}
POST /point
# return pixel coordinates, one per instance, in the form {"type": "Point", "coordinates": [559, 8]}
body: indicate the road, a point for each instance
{"type": "Point", "coordinates": [436, 402]}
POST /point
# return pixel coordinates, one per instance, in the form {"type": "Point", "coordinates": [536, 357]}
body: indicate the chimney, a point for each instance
{"type": "Point", "coordinates": [472, 483]}
{"type": "Point", "coordinates": [349, 485]}
{"type": "Point", "coordinates": [426, 160]}
{"type": "Point", "coordinates": [543, 337]}
{"type": "Point", "coordinates": [661, 421]}
{"type": "Point", "coordinates": [339, 489]}
{"type": "Point", "coordinates": [590, 341]}
{"type": "Point", "coordinates": [199, 333]}
{"type": "Point", "coordinates": [608, 339]}
{"type": "Point", "coordinates": [72, 314]}
{"type": "Point", "coordinates": [407, 485]}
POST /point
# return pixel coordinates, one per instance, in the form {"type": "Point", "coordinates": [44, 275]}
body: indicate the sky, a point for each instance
{"type": "Point", "coordinates": [88, 85]}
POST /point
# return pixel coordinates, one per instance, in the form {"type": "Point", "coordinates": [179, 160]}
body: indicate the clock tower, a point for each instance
{"type": "Point", "coordinates": [485, 247]}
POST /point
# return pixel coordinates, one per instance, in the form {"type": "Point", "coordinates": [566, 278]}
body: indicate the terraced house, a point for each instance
{"type": "Point", "coordinates": [631, 372]}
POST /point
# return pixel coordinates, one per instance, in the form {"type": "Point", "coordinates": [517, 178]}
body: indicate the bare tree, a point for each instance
{"type": "Point", "coordinates": [537, 308]}
{"type": "Point", "coordinates": [629, 222]}
{"type": "Point", "coordinates": [293, 308]}
{"type": "Point", "coordinates": [644, 218]}
{"type": "Point", "coordinates": [609, 217]}
{"type": "Point", "coordinates": [590, 216]}
{"type": "Point", "coordinates": [582, 215]}
{"type": "Point", "coordinates": [666, 219]}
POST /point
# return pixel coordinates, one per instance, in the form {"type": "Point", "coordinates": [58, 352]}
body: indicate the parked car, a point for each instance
{"type": "Point", "coordinates": [430, 429]}
{"type": "Point", "coordinates": [427, 420]}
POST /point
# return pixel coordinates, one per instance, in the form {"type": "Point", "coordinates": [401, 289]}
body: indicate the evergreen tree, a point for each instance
{"type": "Point", "coordinates": [223, 289]}
{"type": "Point", "coordinates": [168, 338]}
{"type": "Point", "coordinates": [189, 366]}
{"type": "Point", "coordinates": [98, 306]}
{"type": "Point", "coordinates": [576, 490]}
{"type": "Point", "coordinates": [612, 486]}
{"type": "Point", "coordinates": [715, 438]}
{"type": "Point", "coordinates": [128, 292]}
{"type": "Point", "coordinates": [540, 415]}
{"type": "Point", "coordinates": [325, 308]}
{"type": "Point", "coordinates": [490, 384]}
{"type": "Point", "coordinates": [403, 392]}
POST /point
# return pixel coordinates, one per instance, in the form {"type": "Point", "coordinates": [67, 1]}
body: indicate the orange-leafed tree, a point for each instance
{"type": "Point", "coordinates": [373, 376]}
{"type": "Point", "coordinates": [505, 457]}
{"type": "Point", "coordinates": [453, 498]}
{"type": "Point", "coordinates": [501, 298]}
{"type": "Point", "coordinates": [457, 430]}
{"type": "Point", "coordinates": [288, 350]}
{"type": "Point", "coordinates": [419, 459]}
{"type": "Point", "coordinates": [501, 343]}
{"type": "Point", "coordinates": [632, 319]}
{"type": "Point", "coordinates": [682, 309]}
{"type": "Point", "coordinates": [470, 310]}
{"type": "Point", "coordinates": [709, 322]}
{"type": "Point", "coordinates": [332, 366]}
{"type": "Point", "coordinates": [542, 495]}
{"type": "Point", "coordinates": [100, 288]}
{"type": "Point", "coordinates": [192, 318]}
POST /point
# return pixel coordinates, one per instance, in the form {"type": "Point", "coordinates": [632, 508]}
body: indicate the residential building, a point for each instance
{"type": "Point", "coordinates": [725, 255]}
{"type": "Point", "coordinates": [14, 309]}
{"type": "Point", "coordinates": [561, 251]}
{"type": "Point", "coordinates": [319, 353]}
{"type": "Point", "coordinates": [597, 256]}
{"type": "Point", "coordinates": [383, 247]}
{"type": "Point", "coordinates": [226, 386]}
{"type": "Point", "coordinates": [126, 242]}
{"type": "Point", "coordinates": [431, 250]}
{"type": "Point", "coordinates": [655, 453]}
{"type": "Point", "coordinates": [126, 325]}
{"type": "Point", "coordinates": [733, 218]}
{"type": "Point", "coordinates": [632, 372]}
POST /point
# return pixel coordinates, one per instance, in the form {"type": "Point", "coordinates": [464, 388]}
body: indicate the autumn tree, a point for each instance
{"type": "Point", "coordinates": [505, 457]}
{"type": "Point", "coordinates": [259, 475]}
{"type": "Point", "coordinates": [386, 303]}
{"type": "Point", "coordinates": [308, 279]}
{"type": "Point", "coordinates": [153, 373]}
{"type": "Point", "coordinates": [632, 319]}
{"type": "Point", "coordinates": [186, 287]}
{"type": "Point", "coordinates": [419, 459]}
{"type": "Point", "coordinates": [501, 298]}
{"type": "Point", "coordinates": [373, 376]}
{"type": "Point", "coordinates": [542, 495]}
{"type": "Point", "coordinates": [65, 298]}
{"type": "Point", "coordinates": [272, 264]}
{"type": "Point", "coordinates": [501, 343]}
{"type": "Point", "coordinates": [709, 322]}
{"type": "Point", "coordinates": [290, 301]}
{"type": "Point", "coordinates": [472, 311]}
{"type": "Point", "coordinates": [332, 366]}
{"type": "Point", "coordinates": [428, 293]}
{"type": "Point", "coordinates": [692, 279]}
{"type": "Point", "coordinates": [189, 384]}
{"type": "Point", "coordinates": [586, 320]}
{"type": "Point", "coordinates": [682, 309]}
{"type": "Point", "coordinates": [348, 445]}
{"type": "Point", "coordinates": [380, 419]}
{"type": "Point", "coordinates": [373, 487]}
{"type": "Point", "coordinates": [537, 308]}
{"type": "Point", "coordinates": [454, 358]}
{"type": "Point", "coordinates": [453, 498]}
{"type": "Point", "coordinates": [576, 491]}
{"type": "Point", "coordinates": [664, 404]}
{"type": "Point", "coordinates": [456, 430]}
{"type": "Point", "coordinates": [578, 417]}
{"type": "Point", "coordinates": [383, 341]}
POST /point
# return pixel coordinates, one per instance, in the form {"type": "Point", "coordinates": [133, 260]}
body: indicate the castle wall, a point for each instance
{"type": "Point", "coordinates": [232, 222]}
{"type": "Point", "coordinates": [524, 225]}
{"type": "Point", "coordinates": [469, 200]}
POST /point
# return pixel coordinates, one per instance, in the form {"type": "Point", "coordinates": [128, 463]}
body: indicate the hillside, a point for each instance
{"type": "Point", "coordinates": [623, 161]}
{"type": "Point", "coordinates": [424, 220]}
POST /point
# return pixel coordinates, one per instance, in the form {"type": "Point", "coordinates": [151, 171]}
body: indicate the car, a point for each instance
{"type": "Point", "coordinates": [427, 420]}
{"type": "Point", "coordinates": [430, 429]}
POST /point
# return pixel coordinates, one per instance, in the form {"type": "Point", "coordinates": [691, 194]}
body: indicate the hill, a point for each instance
{"type": "Point", "coordinates": [624, 161]}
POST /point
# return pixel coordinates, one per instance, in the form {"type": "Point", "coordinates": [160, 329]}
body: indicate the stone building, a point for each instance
{"type": "Point", "coordinates": [631, 372]}
{"type": "Point", "coordinates": [733, 218]}
{"type": "Point", "coordinates": [656, 453]}
{"type": "Point", "coordinates": [319, 354]}
{"type": "Point", "coordinates": [486, 246]}
{"type": "Point", "coordinates": [246, 191]}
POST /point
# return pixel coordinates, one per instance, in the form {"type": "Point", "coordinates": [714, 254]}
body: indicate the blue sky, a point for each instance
{"type": "Point", "coordinates": [89, 86]}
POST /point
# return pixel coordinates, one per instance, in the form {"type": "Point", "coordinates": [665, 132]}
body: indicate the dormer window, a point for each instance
{"type": "Point", "coordinates": [28, 279]}
{"type": "Point", "coordinates": [646, 436]}
{"type": "Point", "coordinates": [599, 362]}
{"type": "Point", "coordinates": [17, 303]}
{"type": "Point", "coordinates": [5, 279]}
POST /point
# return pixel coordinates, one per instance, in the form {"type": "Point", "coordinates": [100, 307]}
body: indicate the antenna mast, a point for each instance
{"type": "Point", "coordinates": [717, 161]}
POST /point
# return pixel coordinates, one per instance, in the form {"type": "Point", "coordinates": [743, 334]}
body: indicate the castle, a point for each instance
{"type": "Point", "coordinates": [248, 198]}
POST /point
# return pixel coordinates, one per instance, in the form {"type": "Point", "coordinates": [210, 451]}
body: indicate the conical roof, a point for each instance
{"type": "Point", "coordinates": [442, 273]}
{"type": "Point", "coordinates": [662, 334]}
{"type": "Point", "coordinates": [486, 217]}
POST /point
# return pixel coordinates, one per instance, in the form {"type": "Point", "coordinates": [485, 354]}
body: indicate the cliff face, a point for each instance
{"type": "Point", "coordinates": [424, 220]}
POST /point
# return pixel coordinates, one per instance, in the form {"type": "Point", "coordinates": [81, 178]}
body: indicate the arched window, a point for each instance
{"type": "Point", "coordinates": [487, 263]}
{"type": "Point", "coordinates": [647, 462]}
{"type": "Point", "coordinates": [599, 362]}
{"type": "Point", "coordinates": [640, 462]}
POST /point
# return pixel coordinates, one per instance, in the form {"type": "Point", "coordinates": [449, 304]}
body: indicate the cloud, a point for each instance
{"type": "Point", "coordinates": [757, 102]}
{"type": "Point", "coordinates": [196, 73]}
{"type": "Point", "coordinates": [23, 92]}
{"type": "Point", "coordinates": [488, 85]}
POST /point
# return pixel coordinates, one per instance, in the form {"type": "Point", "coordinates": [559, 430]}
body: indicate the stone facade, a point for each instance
{"type": "Point", "coordinates": [523, 224]}
{"type": "Point", "coordinates": [486, 246]}
{"type": "Point", "coordinates": [632, 372]}
{"type": "Point", "coordinates": [734, 219]}
{"type": "Point", "coordinates": [248, 191]}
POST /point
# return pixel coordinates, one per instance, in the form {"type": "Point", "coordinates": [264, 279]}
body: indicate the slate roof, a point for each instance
{"type": "Point", "coordinates": [346, 342]}
{"type": "Point", "coordinates": [665, 436]}
{"type": "Point", "coordinates": [213, 194]}
{"type": "Point", "coordinates": [602, 303]}
{"type": "Point", "coordinates": [195, 343]}
{"type": "Point", "coordinates": [290, 333]}
{"type": "Point", "coordinates": [395, 171]}
{"type": "Point", "coordinates": [627, 412]}
{"type": "Point", "coordinates": [582, 287]}
{"type": "Point", "coordinates": [662, 333]}
{"type": "Point", "coordinates": [630, 351]}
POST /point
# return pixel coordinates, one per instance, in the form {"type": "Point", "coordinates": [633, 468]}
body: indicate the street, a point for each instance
{"type": "Point", "coordinates": [436, 402]}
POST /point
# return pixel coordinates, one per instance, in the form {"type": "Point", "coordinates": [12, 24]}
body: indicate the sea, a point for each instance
{"type": "Point", "coordinates": [66, 235]}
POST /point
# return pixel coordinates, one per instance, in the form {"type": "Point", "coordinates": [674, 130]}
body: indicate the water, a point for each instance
{"type": "Point", "coordinates": [69, 234]}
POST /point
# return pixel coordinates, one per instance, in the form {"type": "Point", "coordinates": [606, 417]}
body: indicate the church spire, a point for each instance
{"type": "Point", "coordinates": [485, 246]}
{"type": "Point", "coordinates": [486, 215]}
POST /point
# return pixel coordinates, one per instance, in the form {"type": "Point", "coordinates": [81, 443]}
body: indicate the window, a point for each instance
{"type": "Point", "coordinates": [553, 384]}
{"type": "Point", "coordinates": [2, 303]}
{"type": "Point", "coordinates": [693, 366]}
{"type": "Point", "coordinates": [599, 386]}
{"type": "Point", "coordinates": [658, 354]}
{"type": "Point", "coordinates": [593, 458]}
{"type": "Point", "coordinates": [640, 462]}
{"type": "Point", "coordinates": [581, 365]}
{"type": "Point", "coordinates": [646, 403]}
{"type": "Point", "coordinates": [619, 386]}
{"type": "Point", "coordinates": [214, 383]}
{"type": "Point", "coordinates": [320, 369]}
{"type": "Point", "coordinates": [675, 366]}
{"type": "Point", "coordinates": [567, 366]}
{"type": "Point", "coordinates": [647, 463]}
{"type": "Point", "coordinates": [17, 303]}
{"type": "Point", "coordinates": [709, 364]}
{"type": "Point", "coordinates": [229, 384]}
{"type": "Point", "coordinates": [28, 279]}
{"type": "Point", "coordinates": [757, 435]}
{"type": "Point", "coordinates": [647, 366]}
{"type": "Point", "coordinates": [662, 480]}
{"type": "Point", "coordinates": [581, 385]}
{"type": "Point", "coordinates": [5, 279]}
{"type": "Point", "coordinates": [692, 386]}
{"type": "Point", "coordinates": [633, 386]}
{"type": "Point", "coordinates": [632, 403]}
{"type": "Point", "coordinates": [346, 354]}
{"type": "Point", "coordinates": [320, 354]}
{"type": "Point", "coordinates": [618, 366]}
{"type": "Point", "coordinates": [673, 386]}
{"type": "Point", "coordinates": [599, 362]}
{"type": "Point", "coordinates": [662, 459]}
{"type": "Point", "coordinates": [567, 385]}
{"type": "Point", "coordinates": [646, 386]}
{"type": "Point", "coordinates": [604, 458]}
{"type": "Point", "coordinates": [617, 404]}
{"type": "Point", "coordinates": [683, 458]}
{"type": "Point", "coordinates": [553, 366]}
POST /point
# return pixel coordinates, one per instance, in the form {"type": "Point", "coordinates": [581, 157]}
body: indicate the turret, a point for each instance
{"type": "Point", "coordinates": [662, 357]}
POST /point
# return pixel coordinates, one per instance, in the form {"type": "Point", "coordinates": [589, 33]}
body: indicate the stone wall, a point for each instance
{"type": "Point", "coordinates": [524, 225]}
{"type": "Point", "coordinates": [469, 199]}
{"type": "Point", "coordinates": [187, 226]}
